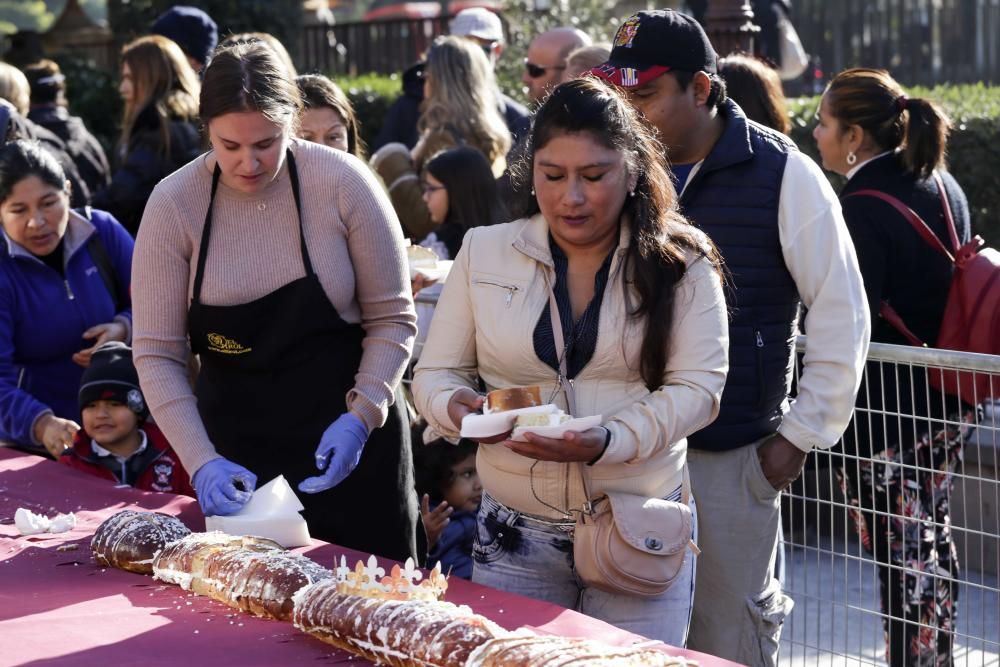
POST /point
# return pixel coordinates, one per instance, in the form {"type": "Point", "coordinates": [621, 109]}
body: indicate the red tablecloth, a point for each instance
{"type": "Point", "coordinates": [58, 608]}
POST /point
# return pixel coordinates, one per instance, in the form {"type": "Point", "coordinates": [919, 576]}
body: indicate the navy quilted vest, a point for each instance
{"type": "Point", "coordinates": [734, 198]}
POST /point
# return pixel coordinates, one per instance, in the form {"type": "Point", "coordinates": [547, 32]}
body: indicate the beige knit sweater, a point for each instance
{"type": "Point", "coordinates": [356, 248]}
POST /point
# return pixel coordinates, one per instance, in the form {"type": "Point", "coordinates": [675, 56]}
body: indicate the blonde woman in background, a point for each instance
{"type": "Point", "coordinates": [460, 105]}
{"type": "Point", "coordinates": [460, 109]}
{"type": "Point", "coordinates": [159, 125]}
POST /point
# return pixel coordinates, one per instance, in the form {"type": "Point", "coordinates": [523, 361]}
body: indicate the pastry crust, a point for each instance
{"type": "Point", "coordinates": [405, 633]}
{"type": "Point", "coordinates": [251, 574]}
{"type": "Point", "coordinates": [534, 651]}
{"type": "Point", "coordinates": [130, 540]}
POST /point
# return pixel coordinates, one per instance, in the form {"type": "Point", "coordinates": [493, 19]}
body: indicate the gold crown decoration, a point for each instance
{"type": "Point", "coordinates": [370, 581]}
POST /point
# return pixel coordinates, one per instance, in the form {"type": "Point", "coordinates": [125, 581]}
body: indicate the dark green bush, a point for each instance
{"type": "Point", "coordinates": [973, 148]}
{"type": "Point", "coordinates": [92, 94]}
{"type": "Point", "coordinates": [371, 95]}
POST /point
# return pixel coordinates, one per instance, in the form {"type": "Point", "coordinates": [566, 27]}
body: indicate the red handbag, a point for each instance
{"type": "Point", "coordinates": [971, 318]}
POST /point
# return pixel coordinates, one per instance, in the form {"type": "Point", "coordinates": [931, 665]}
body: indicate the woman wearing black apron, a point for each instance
{"type": "Point", "coordinates": [297, 242]}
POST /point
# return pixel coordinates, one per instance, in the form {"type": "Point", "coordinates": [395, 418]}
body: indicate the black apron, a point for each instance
{"type": "Point", "coordinates": [275, 373]}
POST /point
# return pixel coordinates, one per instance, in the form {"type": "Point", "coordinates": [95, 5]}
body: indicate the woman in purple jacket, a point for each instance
{"type": "Point", "coordinates": [64, 290]}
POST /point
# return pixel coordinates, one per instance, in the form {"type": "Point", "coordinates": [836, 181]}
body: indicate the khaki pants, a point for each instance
{"type": "Point", "coordinates": [738, 604]}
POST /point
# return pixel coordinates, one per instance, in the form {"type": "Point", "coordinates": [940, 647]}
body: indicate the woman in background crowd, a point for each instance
{"type": "Point", "coordinates": [49, 109]}
{"type": "Point", "coordinates": [15, 91]}
{"type": "Point", "coordinates": [279, 262]}
{"type": "Point", "coordinates": [64, 290]}
{"type": "Point", "coordinates": [641, 316]}
{"type": "Point", "coordinates": [756, 87]}
{"type": "Point", "coordinates": [871, 132]}
{"type": "Point", "coordinates": [159, 125]}
{"type": "Point", "coordinates": [460, 109]}
{"type": "Point", "coordinates": [460, 193]}
{"type": "Point", "coordinates": [328, 117]}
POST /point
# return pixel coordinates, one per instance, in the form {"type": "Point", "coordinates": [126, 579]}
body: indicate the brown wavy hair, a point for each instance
{"type": "Point", "coordinates": [318, 92]}
{"type": "Point", "coordinates": [162, 82]}
{"type": "Point", "coordinates": [875, 102]}
{"type": "Point", "coordinates": [463, 97]}
{"type": "Point", "coordinates": [660, 237]}
{"type": "Point", "coordinates": [756, 87]}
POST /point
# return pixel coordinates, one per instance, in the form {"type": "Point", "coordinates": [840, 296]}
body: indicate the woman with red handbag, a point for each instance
{"type": "Point", "coordinates": [891, 149]}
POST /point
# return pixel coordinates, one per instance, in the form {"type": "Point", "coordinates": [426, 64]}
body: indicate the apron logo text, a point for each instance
{"type": "Point", "coordinates": [223, 345]}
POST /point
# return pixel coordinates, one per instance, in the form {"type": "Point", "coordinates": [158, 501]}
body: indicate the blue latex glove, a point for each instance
{"type": "Point", "coordinates": [217, 485]}
{"type": "Point", "coordinates": [338, 453]}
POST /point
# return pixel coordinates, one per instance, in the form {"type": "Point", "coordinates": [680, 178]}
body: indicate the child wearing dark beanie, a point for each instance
{"type": "Point", "coordinates": [117, 441]}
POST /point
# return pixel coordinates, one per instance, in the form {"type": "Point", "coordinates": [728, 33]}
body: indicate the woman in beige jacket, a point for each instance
{"type": "Point", "coordinates": [643, 319]}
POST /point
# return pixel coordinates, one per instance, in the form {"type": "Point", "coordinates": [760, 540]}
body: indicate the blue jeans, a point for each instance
{"type": "Point", "coordinates": [520, 554]}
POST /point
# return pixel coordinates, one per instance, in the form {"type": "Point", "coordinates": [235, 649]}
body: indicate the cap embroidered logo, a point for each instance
{"type": "Point", "coordinates": [627, 32]}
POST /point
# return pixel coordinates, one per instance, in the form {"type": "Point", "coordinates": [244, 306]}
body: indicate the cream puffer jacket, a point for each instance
{"type": "Point", "coordinates": [483, 326]}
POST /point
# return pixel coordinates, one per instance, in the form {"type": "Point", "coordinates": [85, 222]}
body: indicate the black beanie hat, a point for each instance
{"type": "Point", "coordinates": [111, 376]}
{"type": "Point", "coordinates": [193, 30]}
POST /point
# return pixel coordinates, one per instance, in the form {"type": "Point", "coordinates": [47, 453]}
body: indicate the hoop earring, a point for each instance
{"type": "Point", "coordinates": [851, 158]}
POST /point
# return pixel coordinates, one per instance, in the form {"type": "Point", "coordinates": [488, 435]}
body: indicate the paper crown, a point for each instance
{"type": "Point", "coordinates": [401, 584]}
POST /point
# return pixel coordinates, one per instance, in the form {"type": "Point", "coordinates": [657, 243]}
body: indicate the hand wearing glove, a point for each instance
{"type": "Point", "coordinates": [338, 453]}
{"type": "Point", "coordinates": [223, 487]}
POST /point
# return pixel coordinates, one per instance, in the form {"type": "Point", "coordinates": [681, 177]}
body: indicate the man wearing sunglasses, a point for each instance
{"type": "Point", "coordinates": [547, 59]}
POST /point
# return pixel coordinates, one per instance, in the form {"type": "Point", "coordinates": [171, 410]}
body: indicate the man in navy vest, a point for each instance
{"type": "Point", "coordinates": [778, 225]}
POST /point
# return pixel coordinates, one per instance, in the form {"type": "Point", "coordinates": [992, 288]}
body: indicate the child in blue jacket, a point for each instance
{"type": "Point", "coordinates": [64, 290]}
{"type": "Point", "coordinates": [450, 493]}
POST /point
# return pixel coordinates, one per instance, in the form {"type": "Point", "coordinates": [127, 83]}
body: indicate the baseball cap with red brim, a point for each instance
{"type": "Point", "coordinates": [651, 43]}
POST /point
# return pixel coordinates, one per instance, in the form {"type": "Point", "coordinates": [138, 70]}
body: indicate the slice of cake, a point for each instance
{"type": "Point", "coordinates": [540, 420]}
{"type": "Point", "coordinates": [512, 398]}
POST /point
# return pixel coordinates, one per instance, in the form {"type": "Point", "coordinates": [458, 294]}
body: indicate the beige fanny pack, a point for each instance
{"type": "Point", "coordinates": [624, 543]}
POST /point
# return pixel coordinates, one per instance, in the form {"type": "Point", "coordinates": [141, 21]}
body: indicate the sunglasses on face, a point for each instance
{"type": "Point", "coordinates": [535, 71]}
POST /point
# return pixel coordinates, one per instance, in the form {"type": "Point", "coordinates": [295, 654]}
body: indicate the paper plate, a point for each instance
{"type": "Point", "coordinates": [497, 423]}
{"type": "Point", "coordinates": [576, 424]}
{"type": "Point", "coordinates": [438, 273]}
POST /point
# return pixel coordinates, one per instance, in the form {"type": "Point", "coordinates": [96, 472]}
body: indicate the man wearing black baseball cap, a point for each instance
{"type": "Point", "coordinates": [778, 225]}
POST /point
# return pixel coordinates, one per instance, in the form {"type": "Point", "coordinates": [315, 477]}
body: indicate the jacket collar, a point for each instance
{"type": "Point", "coordinates": [78, 233]}
{"type": "Point", "coordinates": [732, 147]}
{"type": "Point", "coordinates": [533, 240]}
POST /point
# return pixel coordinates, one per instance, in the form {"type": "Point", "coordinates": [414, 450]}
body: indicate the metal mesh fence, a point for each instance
{"type": "Point", "coordinates": [867, 554]}
{"type": "Point", "coordinates": [906, 506]}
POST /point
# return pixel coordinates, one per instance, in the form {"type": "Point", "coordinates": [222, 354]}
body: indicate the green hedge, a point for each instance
{"type": "Point", "coordinates": [973, 150]}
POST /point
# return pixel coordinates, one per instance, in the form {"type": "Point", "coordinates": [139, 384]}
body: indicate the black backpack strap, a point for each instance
{"type": "Point", "coordinates": [102, 261]}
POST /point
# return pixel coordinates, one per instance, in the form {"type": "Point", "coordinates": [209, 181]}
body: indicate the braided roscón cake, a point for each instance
{"type": "Point", "coordinates": [251, 574]}
{"type": "Point", "coordinates": [403, 633]}
{"type": "Point", "coordinates": [526, 650]}
{"type": "Point", "coordinates": [129, 540]}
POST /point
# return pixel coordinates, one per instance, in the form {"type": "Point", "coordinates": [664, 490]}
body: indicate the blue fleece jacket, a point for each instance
{"type": "Point", "coordinates": [454, 548]}
{"type": "Point", "coordinates": [43, 317]}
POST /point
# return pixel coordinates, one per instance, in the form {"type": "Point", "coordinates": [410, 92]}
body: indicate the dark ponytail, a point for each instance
{"type": "Point", "coordinates": [875, 102]}
{"type": "Point", "coordinates": [926, 137]}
